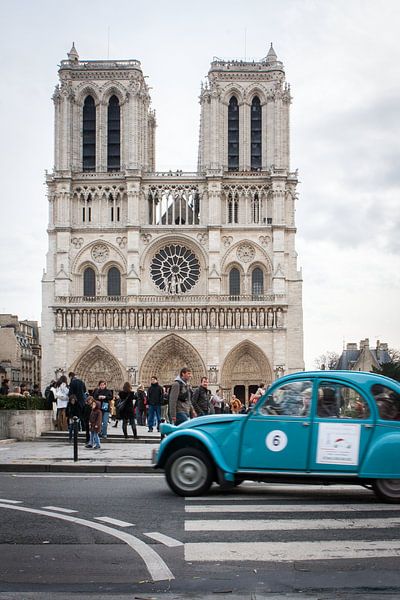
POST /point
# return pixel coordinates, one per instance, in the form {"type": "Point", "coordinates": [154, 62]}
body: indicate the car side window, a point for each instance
{"type": "Point", "coordinates": [338, 401]}
{"type": "Point", "coordinates": [387, 401]}
{"type": "Point", "coordinates": [292, 399]}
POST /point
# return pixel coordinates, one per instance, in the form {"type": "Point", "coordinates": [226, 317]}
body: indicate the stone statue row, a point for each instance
{"type": "Point", "coordinates": [170, 318]}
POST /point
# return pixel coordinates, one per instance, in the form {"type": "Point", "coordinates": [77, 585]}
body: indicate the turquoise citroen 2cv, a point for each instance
{"type": "Point", "coordinates": [309, 427]}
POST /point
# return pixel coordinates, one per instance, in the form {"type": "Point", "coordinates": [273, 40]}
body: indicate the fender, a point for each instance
{"type": "Point", "coordinates": [166, 447]}
{"type": "Point", "coordinates": [383, 457]}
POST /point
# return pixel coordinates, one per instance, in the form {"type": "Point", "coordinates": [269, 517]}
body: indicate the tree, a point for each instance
{"type": "Point", "coordinates": [327, 361]}
{"type": "Point", "coordinates": [390, 369]}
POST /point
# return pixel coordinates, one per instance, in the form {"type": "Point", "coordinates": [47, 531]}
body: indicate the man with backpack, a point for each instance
{"type": "Point", "coordinates": [180, 398]}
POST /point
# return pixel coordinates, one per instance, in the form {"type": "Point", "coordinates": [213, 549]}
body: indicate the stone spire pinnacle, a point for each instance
{"type": "Point", "coordinates": [271, 56]}
{"type": "Point", "coordinates": [73, 55]}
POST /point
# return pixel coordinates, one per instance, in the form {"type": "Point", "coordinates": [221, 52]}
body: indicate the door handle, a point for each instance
{"type": "Point", "coordinates": [306, 424]}
{"type": "Point", "coordinates": [367, 426]}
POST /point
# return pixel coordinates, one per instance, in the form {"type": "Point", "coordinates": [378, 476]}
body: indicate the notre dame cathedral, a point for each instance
{"type": "Point", "coordinates": [150, 271]}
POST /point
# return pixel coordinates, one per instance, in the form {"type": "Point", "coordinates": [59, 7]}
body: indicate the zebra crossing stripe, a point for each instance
{"type": "Point", "coordinates": [291, 508]}
{"type": "Point", "coordinates": [288, 525]}
{"type": "Point", "coordinates": [290, 551]}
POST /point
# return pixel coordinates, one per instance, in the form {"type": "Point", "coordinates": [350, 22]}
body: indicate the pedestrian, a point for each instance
{"type": "Point", "coordinates": [61, 395]}
{"type": "Point", "coordinates": [49, 394]}
{"type": "Point", "coordinates": [201, 399]}
{"type": "Point", "coordinates": [217, 400]}
{"type": "Point", "coordinates": [72, 410]}
{"type": "Point", "coordinates": [105, 396]}
{"type": "Point", "coordinates": [127, 400]}
{"type": "Point", "coordinates": [113, 411]}
{"type": "Point", "coordinates": [164, 406]}
{"type": "Point", "coordinates": [141, 406]}
{"type": "Point", "coordinates": [5, 388]}
{"type": "Point", "coordinates": [180, 398]}
{"type": "Point", "coordinates": [154, 400]}
{"type": "Point", "coordinates": [235, 405]}
{"type": "Point", "coordinates": [85, 418]}
{"type": "Point", "coordinates": [35, 391]}
{"type": "Point", "coordinates": [78, 388]}
{"type": "Point", "coordinates": [16, 393]}
{"type": "Point", "coordinates": [95, 424]}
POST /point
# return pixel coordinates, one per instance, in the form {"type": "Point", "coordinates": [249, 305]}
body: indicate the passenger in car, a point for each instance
{"type": "Point", "coordinates": [327, 403]}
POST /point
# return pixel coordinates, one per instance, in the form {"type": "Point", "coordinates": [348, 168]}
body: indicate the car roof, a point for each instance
{"type": "Point", "coordinates": [359, 377]}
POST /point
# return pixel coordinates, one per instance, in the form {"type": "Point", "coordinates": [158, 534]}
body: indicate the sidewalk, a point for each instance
{"type": "Point", "coordinates": [54, 453]}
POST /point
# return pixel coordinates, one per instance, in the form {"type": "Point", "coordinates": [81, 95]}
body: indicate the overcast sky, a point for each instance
{"type": "Point", "coordinates": [342, 60]}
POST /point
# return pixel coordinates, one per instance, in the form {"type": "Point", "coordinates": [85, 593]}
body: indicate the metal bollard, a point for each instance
{"type": "Point", "coordinates": [75, 419]}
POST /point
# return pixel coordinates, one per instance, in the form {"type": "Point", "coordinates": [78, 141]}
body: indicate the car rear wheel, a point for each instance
{"type": "Point", "coordinates": [387, 489]}
{"type": "Point", "coordinates": [189, 472]}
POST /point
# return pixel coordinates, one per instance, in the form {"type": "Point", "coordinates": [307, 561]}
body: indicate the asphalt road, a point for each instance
{"type": "Point", "coordinates": [118, 535]}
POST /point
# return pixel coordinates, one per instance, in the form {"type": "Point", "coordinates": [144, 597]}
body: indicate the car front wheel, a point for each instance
{"type": "Point", "coordinates": [387, 489]}
{"type": "Point", "coordinates": [189, 472]}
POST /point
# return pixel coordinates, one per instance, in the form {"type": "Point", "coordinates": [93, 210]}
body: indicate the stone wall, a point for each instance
{"type": "Point", "coordinates": [25, 425]}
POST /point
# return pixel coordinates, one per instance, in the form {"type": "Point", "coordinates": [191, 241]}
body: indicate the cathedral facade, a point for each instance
{"type": "Point", "coordinates": [150, 271]}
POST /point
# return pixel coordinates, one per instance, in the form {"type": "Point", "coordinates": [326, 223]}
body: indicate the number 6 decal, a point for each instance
{"type": "Point", "coordinates": [276, 440]}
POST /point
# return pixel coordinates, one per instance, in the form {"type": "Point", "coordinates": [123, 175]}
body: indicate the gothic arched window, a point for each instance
{"type": "Point", "coordinates": [113, 135]}
{"type": "Point", "coordinates": [255, 134]}
{"type": "Point", "coordinates": [89, 135]}
{"type": "Point", "coordinates": [113, 282]}
{"type": "Point", "coordinates": [233, 134]}
{"type": "Point", "coordinates": [233, 208]}
{"type": "Point", "coordinates": [234, 282]}
{"type": "Point", "coordinates": [89, 282]}
{"type": "Point", "coordinates": [257, 282]}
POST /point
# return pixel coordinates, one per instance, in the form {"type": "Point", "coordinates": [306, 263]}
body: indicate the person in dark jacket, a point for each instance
{"type": "Point", "coordinates": [105, 396]}
{"type": "Point", "coordinates": [78, 389]}
{"type": "Point", "coordinates": [155, 396]}
{"type": "Point", "coordinates": [73, 410]}
{"type": "Point", "coordinates": [127, 411]}
{"type": "Point", "coordinates": [95, 422]}
{"type": "Point", "coordinates": [5, 388]}
{"type": "Point", "coordinates": [85, 419]}
{"type": "Point", "coordinates": [201, 399]}
{"type": "Point", "coordinates": [141, 402]}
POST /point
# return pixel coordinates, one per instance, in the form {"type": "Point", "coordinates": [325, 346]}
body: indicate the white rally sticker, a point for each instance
{"type": "Point", "coordinates": [338, 443]}
{"type": "Point", "coordinates": [276, 440]}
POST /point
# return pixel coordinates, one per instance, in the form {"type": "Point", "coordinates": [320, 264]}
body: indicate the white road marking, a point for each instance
{"type": "Point", "coordinates": [11, 501]}
{"type": "Point", "coordinates": [164, 539]}
{"type": "Point", "coordinates": [85, 476]}
{"type": "Point", "coordinates": [156, 567]}
{"type": "Point", "coordinates": [115, 522]}
{"type": "Point", "coordinates": [292, 508]}
{"type": "Point", "coordinates": [59, 509]}
{"type": "Point", "coordinates": [290, 551]}
{"type": "Point", "coordinates": [288, 525]}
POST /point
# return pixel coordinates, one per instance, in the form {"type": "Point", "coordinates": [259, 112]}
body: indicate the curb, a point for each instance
{"type": "Point", "coordinates": [76, 468]}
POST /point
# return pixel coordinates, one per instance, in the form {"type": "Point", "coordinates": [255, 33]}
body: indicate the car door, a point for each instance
{"type": "Point", "coordinates": [276, 435]}
{"type": "Point", "coordinates": [343, 427]}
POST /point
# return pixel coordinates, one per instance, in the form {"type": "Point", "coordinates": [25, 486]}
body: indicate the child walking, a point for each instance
{"type": "Point", "coordinates": [95, 422]}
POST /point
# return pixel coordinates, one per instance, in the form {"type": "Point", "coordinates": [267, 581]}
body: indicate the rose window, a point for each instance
{"type": "Point", "coordinates": [175, 269]}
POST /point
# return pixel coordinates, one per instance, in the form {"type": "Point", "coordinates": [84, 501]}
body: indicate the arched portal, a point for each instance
{"type": "Point", "coordinates": [97, 363]}
{"type": "Point", "coordinates": [167, 357]}
{"type": "Point", "coordinates": [245, 367]}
